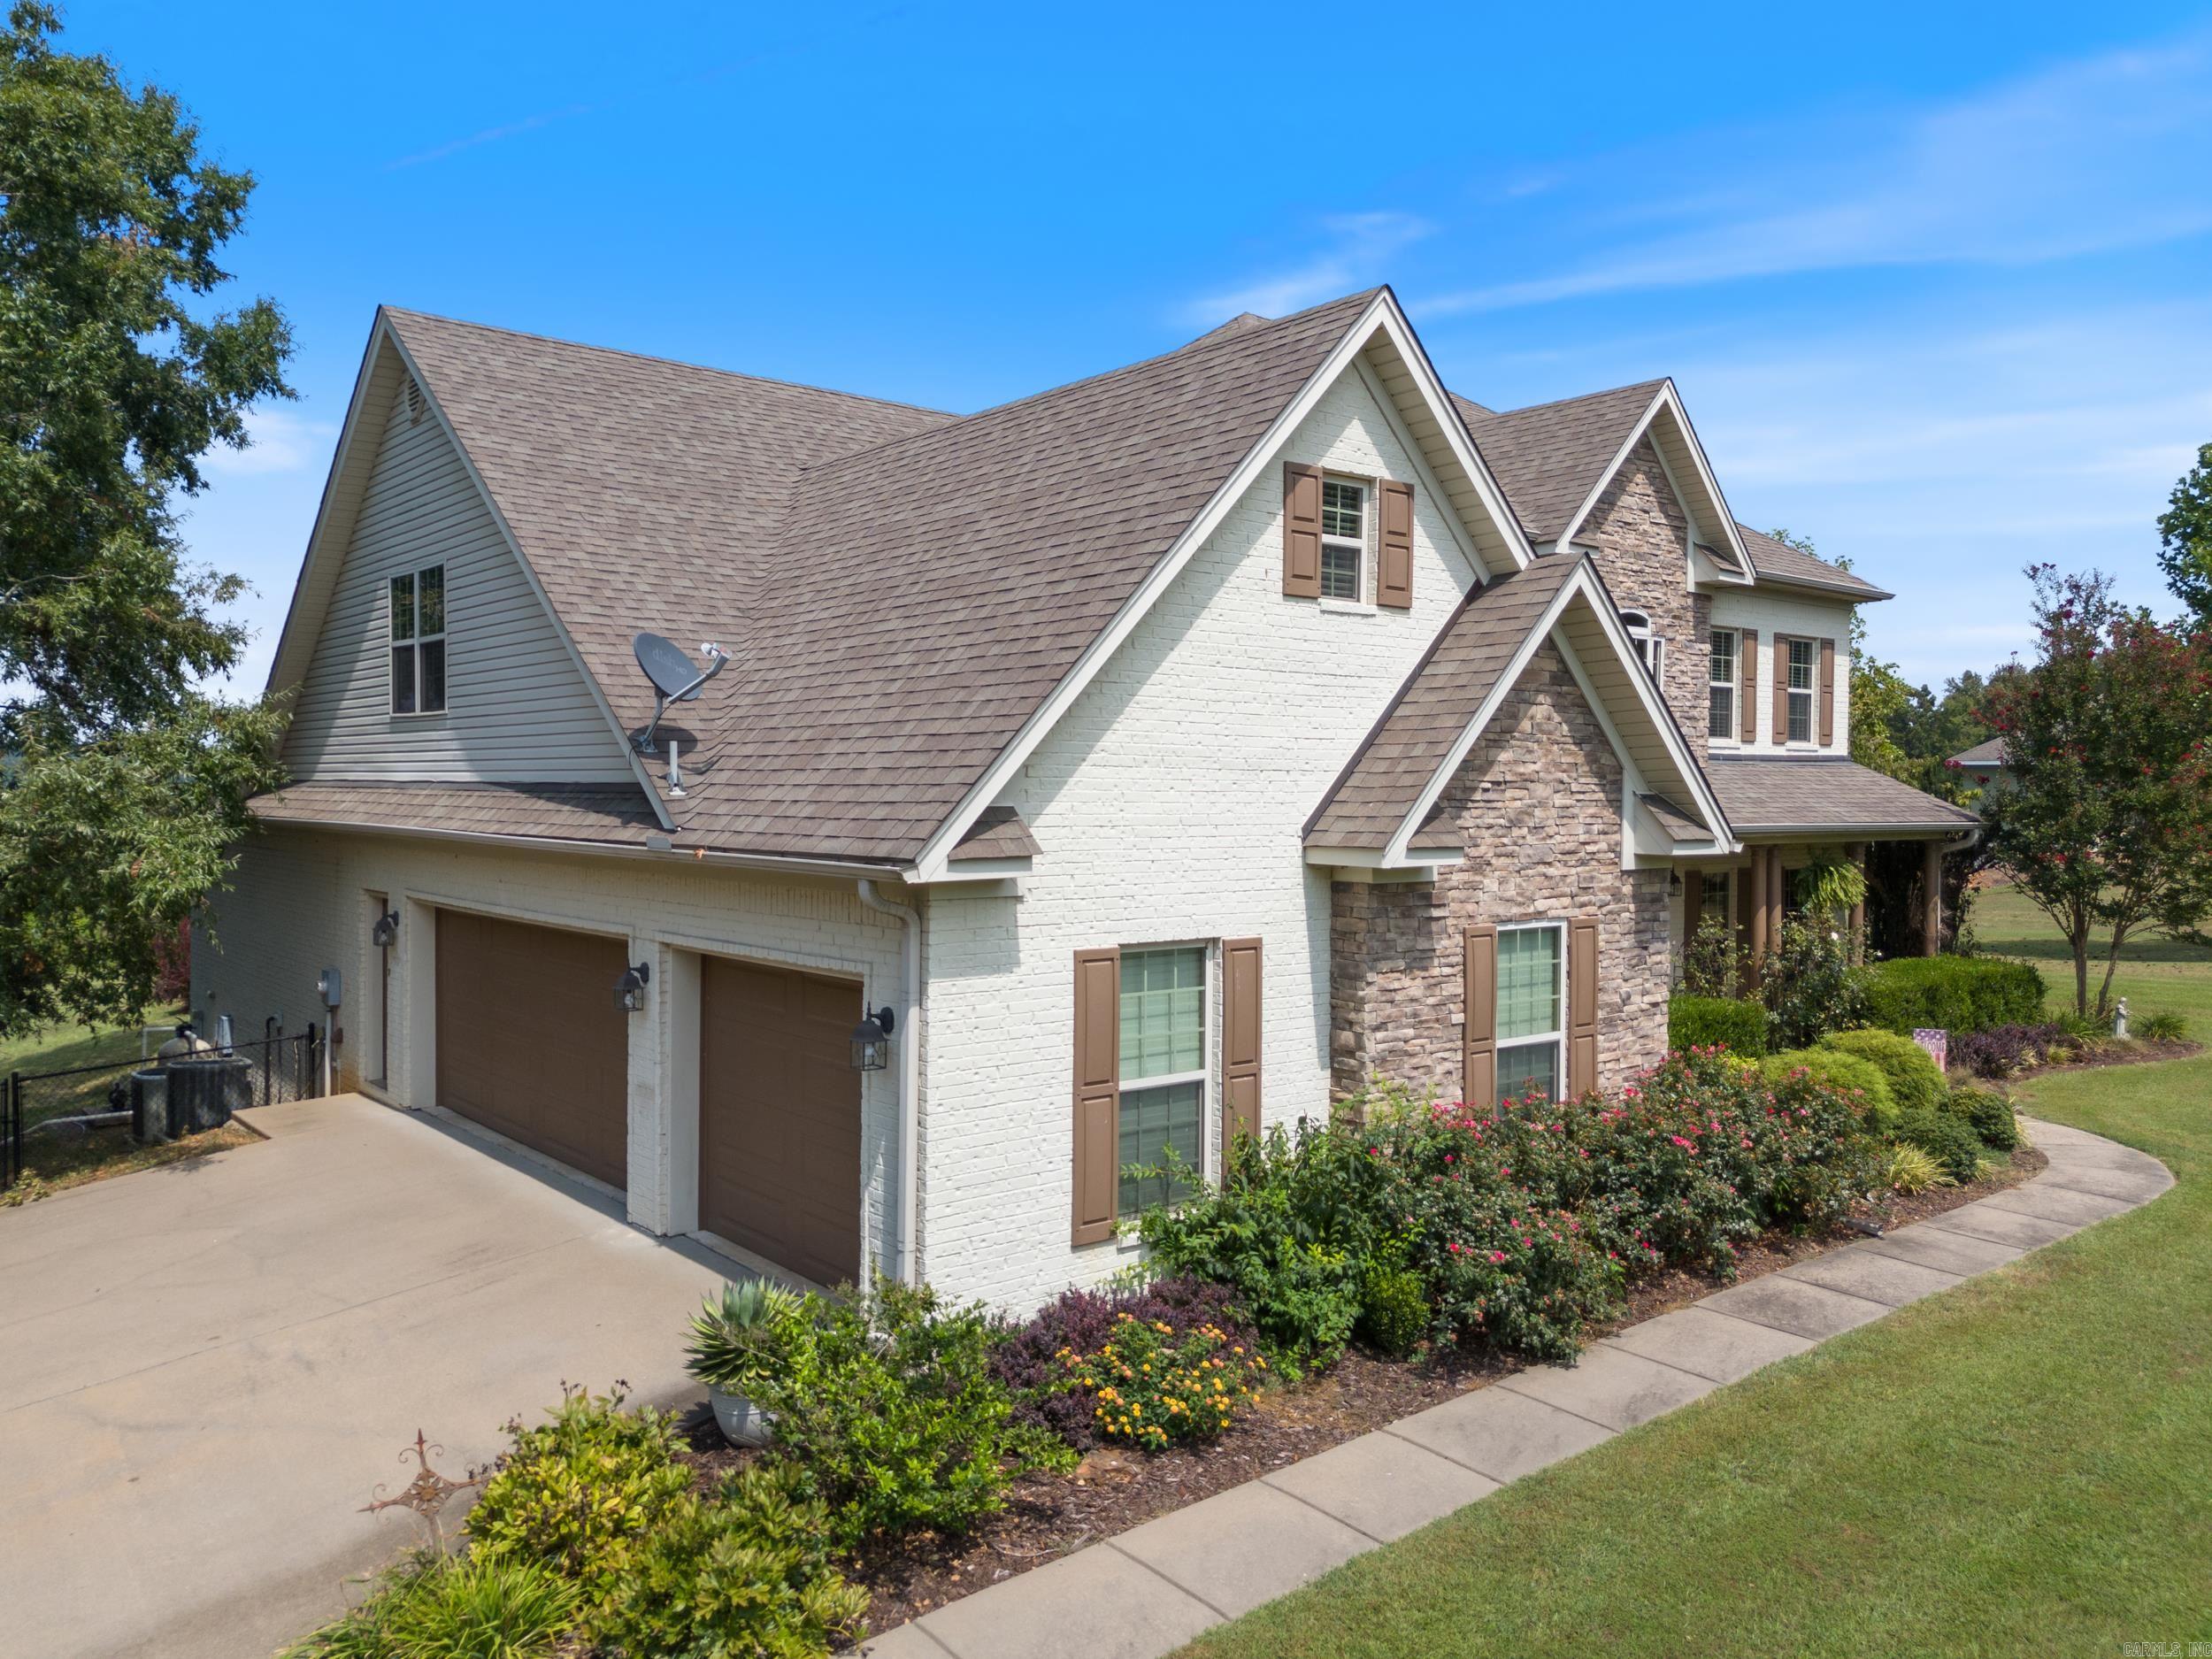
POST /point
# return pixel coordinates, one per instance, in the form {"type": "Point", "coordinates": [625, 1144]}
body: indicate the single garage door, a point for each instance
{"type": "Point", "coordinates": [779, 1117]}
{"type": "Point", "coordinates": [530, 1042]}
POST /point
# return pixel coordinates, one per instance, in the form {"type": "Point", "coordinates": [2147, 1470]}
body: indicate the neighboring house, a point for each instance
{"type": "Point", "coordinates": [1168, 752]}
{"type": "Point", "coordinates": [1981, 765]}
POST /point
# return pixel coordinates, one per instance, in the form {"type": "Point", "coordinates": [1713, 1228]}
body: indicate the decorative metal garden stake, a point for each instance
{"type": "Point", "coordinates": [426, 1494]}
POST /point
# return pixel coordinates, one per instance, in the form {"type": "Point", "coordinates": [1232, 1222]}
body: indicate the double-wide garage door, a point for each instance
{"type": "Point", "coordinates": [531, 1044]}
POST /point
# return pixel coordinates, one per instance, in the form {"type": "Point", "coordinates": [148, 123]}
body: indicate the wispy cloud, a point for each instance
{"type": "Point", "coordinates": [281, 441]}
{"type": "Point", "coordinates": [2093, 156]}
{"type": "Point", "coordinates": [1359, 248]}
{"type": "Point", "coordinates": [493, 135]}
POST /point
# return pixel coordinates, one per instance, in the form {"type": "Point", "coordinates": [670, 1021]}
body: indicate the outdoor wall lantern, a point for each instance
{"type": "Point", "coordinates": [385, 931]}
{"type": "Point", "coordinates": [872, 1041]}
{"type": "Point", "coordinates": [629, 990]}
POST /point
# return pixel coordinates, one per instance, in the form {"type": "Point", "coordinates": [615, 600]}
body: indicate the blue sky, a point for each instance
{"type": "Point", "coordinates": [1933, 279]}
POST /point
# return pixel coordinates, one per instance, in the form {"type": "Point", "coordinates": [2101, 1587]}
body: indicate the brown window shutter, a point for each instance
{"type": "Point", "coordinates": [1748, 698]}
{"type": "Point", "coordinates": [1827, 692]}
{"type": "Point", "coordinates": [1097, 1094]}
{"type": "Point", "coordinates": [1240, 1038]}
{"type": "Point", "coordinates": [1478, 1081]}
{"type": "Point", "coordinates": [1301, 530]}
{"type": "Point", "coordinates": [1693, 902]}
{"type": "Point", "coordinates": [1582, 1007]}
{"type": "Point", "coordinates": [1393, 581]}
{"type": "Point", "coordinates": [1781, 688]}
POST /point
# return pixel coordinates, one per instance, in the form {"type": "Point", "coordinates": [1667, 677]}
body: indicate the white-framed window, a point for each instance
{"type": "Point", "coordinates": [1165, 1069]}
{"type": "Point", "coordinates": [418, 640]}
{"type": "Point", "coordinates": [1804, 662]}
{"type": "Point", "coordinates": [1532, 1002]}
{"type": "Point", "coordinates": [1727, 665]}
{"type": "Point", "coordinates": [1343, 539]}
{"type": "Point", "coordinates": [1651, 650]}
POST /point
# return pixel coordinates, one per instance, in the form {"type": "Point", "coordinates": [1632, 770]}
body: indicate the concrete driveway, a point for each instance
{"type": "Point", "coordinates": [204, 1370]}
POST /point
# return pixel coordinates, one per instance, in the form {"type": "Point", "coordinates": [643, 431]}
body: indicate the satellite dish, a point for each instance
{"type": "Point", "coordinates": [675, 677]}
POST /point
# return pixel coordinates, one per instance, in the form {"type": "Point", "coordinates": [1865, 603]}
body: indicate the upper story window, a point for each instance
{"type": "Point", "coordinates": [418, 640]}
{"type": "Point", "coordinates": [1804, 664]}
{"type": "Point", "coordinates": [1163, 1069]}
{"type": "Point", "coordinates": [1650, 648]}
{"type": "Point", "coordinates": [1343, 539]}
{"type": "Point", "coordinates": [1726, 667]}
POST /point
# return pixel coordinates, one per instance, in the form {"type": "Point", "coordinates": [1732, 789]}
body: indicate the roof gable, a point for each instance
{"type": "Point", "coordinates": [1380, 802]}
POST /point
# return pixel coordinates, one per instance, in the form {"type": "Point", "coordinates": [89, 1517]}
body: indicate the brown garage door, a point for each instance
{"type": "Point", "coordinates": [530, 1041]}
{"type": "Point", "coordinates": [779, 1117]}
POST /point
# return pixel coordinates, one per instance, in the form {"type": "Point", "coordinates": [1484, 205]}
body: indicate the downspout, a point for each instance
{"type": "Point", "coordinates": [909, 1071]}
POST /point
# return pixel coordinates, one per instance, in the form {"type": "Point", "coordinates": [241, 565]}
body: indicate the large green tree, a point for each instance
{"type": "Point", "coordinates": [2185, 540]}
{"type": "Point", "coordinates": [124, 783]}
{"type": "Point", "coordinates": [2106, 819]}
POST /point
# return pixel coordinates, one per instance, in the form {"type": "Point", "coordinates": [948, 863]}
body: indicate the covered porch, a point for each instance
{"type": "Point", "coordinates": [1791, 816]}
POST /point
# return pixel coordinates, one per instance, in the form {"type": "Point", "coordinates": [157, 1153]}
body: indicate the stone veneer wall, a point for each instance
{"type": "Point", "coordinates": [1640, 534]}
{"type": "Point", "coordinates": [1538, 799]}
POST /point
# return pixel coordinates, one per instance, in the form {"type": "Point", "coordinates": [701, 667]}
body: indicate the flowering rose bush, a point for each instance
{"type": "Point", "coordinates": [1153, 1384]}
{"type": "Point", "coordinates": [1527, 1220]}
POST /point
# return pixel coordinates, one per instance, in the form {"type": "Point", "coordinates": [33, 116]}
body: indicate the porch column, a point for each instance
{"type": "Point", "coordinates": [1931, 901]}
{"type": "Point", "coordinates": [1856, 853]}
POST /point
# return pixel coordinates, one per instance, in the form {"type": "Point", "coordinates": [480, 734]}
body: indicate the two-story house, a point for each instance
{"type": "Point", "coordinates": [1153, 757]}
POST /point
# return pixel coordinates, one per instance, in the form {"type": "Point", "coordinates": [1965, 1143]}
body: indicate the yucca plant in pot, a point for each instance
{"type": "Point", "coordinates": [737, 1340]}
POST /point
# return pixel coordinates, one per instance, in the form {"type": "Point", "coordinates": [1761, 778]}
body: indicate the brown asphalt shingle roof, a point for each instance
{"type": "Point", "coordinates": [581, 812]}
{"type": "Point", "coordinates": [1368, 802]}
{"type": "Point", "coordinates": [646, 494]}
{"type": "Point", "coordinates": [1763, 795]}
{"type": "Point", "coordinates": [998, 832]}
{"type": "Point", "coordinates": [924, 596]}
{"type": "Point", "coordinates": [1781, 562]}
{"type": "Point", "coordinates": [1549, 456]}
{"type": "Point", "coordinates": [900, 588]}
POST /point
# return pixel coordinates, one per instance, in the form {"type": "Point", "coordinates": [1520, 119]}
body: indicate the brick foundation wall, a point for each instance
{"type": "Point", "coordinates": [1538, 802]}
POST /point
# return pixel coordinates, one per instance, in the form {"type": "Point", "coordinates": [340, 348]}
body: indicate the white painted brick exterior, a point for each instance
{"type": "Point", "coordinates": [298, 904]}
{"type": "Point", "coordinates": [1169, 805]}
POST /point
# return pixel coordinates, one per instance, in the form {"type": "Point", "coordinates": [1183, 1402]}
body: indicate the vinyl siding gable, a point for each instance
{"type": "Point", "coordinates": [519, 710]}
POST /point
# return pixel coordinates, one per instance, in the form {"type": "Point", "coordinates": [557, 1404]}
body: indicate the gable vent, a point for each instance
{"type": "Point", "coordinates": [415, 406]}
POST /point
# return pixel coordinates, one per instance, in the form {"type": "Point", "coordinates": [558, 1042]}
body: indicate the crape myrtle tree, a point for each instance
{"type": "Point", "coordinates": [122, 782]}
{"type": "Point", "coordinates": [2106, 822]}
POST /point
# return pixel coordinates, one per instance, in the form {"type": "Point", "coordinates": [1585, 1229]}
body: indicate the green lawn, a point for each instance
{"type": "Point", "coordinates": [2021, 1465]}
{"type": "Point", "coordinates": [69, 1047]}
{"type": "Point", "coordinates": [2156, 975]}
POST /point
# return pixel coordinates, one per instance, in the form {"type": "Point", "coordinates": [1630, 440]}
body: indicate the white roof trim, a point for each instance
{"type": "Point", "coordinates": [1382, 316]}
{"type": "Point", "coordinates": [1583, 583]}
{"type": "Point", "coordinates": [1671, 401]}
{"type": "Point", "coordinates": [285, 671]}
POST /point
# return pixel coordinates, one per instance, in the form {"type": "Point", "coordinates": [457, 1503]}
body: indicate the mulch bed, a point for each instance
{"type": "Point", "coordinates": [1049, 1515]}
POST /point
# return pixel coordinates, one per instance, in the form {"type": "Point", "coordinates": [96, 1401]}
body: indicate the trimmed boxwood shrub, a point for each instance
{"type": "Point", "coordinates": [1834, 1068]}
{"type": "Point", "coordinates": [1988, 1113]}
{"type": "Point", "coordinates": [1914, 1082]}
{"type": "Point", "coordinates": [1953, 993]}
{"type": "Point", "coordinates": [1950, 1139]}
{"type": "Point", "coordinates": [1704, 1022]}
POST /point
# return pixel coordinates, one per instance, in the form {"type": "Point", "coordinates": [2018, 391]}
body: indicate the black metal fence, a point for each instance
{"type": "Point", "coordinates": [56, 1118]}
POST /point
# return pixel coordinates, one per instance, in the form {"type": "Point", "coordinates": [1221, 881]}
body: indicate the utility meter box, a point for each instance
{"type": "Point", "coordinates": [330, 985]}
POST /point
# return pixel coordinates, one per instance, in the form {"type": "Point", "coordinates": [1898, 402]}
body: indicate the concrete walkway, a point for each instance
{"type": "Point", "coordinates": [1151, 1589]}
{"type": "Point", "coordinates": [205, 1369]}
